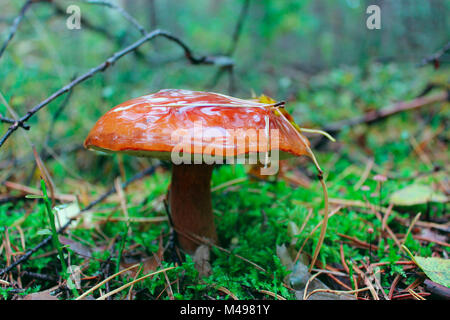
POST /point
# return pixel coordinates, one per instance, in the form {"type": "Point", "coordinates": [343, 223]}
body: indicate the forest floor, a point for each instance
{"type": "Point", "coordinates": [387, 183]}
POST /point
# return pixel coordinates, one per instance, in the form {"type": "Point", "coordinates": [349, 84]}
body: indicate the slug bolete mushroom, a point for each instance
{"type": "Point", "coordinates": [195, 130]}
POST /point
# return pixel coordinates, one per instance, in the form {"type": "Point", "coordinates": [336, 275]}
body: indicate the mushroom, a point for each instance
{"type": "Point", "coordinates": [165, 125]}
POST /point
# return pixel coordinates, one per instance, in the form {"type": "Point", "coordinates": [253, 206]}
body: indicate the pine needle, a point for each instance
{"type": "Point", "coordinates": [103, 297]}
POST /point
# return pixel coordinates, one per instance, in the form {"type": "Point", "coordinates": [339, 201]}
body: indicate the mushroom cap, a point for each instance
{"type": "Point", "coordinates": [153, 125]}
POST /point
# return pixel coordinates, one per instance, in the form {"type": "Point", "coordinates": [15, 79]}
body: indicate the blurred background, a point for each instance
{"type": "Point", "coordinates": [317, 55]}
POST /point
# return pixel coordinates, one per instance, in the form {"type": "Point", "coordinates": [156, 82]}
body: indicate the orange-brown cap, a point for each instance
{"type": "Point", "coordinates": [155, 124]}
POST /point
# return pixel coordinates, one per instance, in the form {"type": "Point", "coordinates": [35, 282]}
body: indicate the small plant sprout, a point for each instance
{"type": "Point", "coordinates": [55, 240]}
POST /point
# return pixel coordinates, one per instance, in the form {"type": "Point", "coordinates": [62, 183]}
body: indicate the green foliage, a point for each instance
{"type": "Point", "coordinates": [282, 49]}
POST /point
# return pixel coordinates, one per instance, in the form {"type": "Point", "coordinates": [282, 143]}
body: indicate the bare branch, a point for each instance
{"type": "Point", "coordinates": [105, 65]}
{"type": "Point", "coordinates": [122, 11]}
{"type": "Point", "coordinates": [15, 25]}
{"type": "Point", "coordinates": [383, 113]}
{"type": "Point", "coordinates": [434, 58]}
{"type": "Point", "coordinates": [12, 121]}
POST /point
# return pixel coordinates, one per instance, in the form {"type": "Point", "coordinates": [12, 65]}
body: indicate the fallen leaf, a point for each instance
{"type": "Point", "coordinates": [437, 269]}
{"type": "Point", "coordinates": [43, 295]}
{"type": "Point", "coordinates": [416, 194]}
{"type": "Point", "coordinates": [66, 211]}
{"type": "Point", "coordinates": [433, 235]}
{"type": "Point", "coordinates": [76, 247]}
{"type": "Point", "coordinates": [299, 277]}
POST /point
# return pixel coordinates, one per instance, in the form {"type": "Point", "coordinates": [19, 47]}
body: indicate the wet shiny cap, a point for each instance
{"type": "Point", "coordinates": [154, 125]}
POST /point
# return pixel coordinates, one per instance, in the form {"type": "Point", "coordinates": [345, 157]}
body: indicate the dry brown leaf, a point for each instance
{"type": "Point", "coordinates": [43, 295]}
{"type": "Point", "coordinates": [149, 264]}
{"type": "Point", "coordinates": [76, 247]}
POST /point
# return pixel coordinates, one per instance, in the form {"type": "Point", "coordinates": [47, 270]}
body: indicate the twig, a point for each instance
{"type": "Point", "coordinates": [342, 284]}
{"type": "Point", "coordinates": [313, 231]}
{"type": "Point", "coordinates": [383, 113]}
{"type": "Point", "coordinates": [336, 292]}
{"type": "Point", "coordinates": [227, 291]}
{"type": "Point", "coordinates": [425, 239]}
{"type": "Point", "coordinates": [347, 269]}
{"type": "Point", "coordinates": [122, 11]}
{"type": "Point", "coordinates": [416, 295]}
{"type": "Point", "coordinates": [29, 190]}
{"type": "Point", "coordinates": [103, 297]}
{"type": "Point", "coordinates": [12, 121]}
{"type": "Point", "coordinates": [47, 240]}
{"type": "Point", "coordinates": [15, 25]}
{"type": "Point", "coordinates": [98, 285]}
{"type": "Point", "coordinates": [131, 288]}
{"type": "Point", "coordinates": [437, 289]}
{"type": "Point", "coordinates": [105, 65]}
{"type": "Point", "coordinates": [367, 282]}
{"type": "Point", "coordinates": [434, 58]}
{"type": "Point", "coordinates": [357, 241]}
{"type": "Point", "coordinates": [272, 294]}
{"type": "Point", "coordinates": [393, 286]}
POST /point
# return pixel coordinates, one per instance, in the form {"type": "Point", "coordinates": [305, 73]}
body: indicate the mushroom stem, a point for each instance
{"type": "Point", "coordinates": [190, 203]}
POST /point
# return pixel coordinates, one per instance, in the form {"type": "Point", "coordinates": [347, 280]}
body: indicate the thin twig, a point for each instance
{"type": "Point", "coordinates": [120, 10]}
{"type": "Point", "coordinates": [105, 65]}
{"type": "Point", "coordinates": [434, 58]}
{"type": "Point", "coordinates": [15, 26]}
{"type": "Point", "coordinates": [313, 231]}
{"type": "Point", "coordinates": [98, 285]}
{"type": "Point", "coordinates": [272, 294]}
{"type": "Point", "coordinates": [12, 121]}
{"type": "Point", "coordinates": [336, 292]}
{"type": "Point", "coordinates": [386, 112]}
{"type": "Point", "coordinates": [103, 297]}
